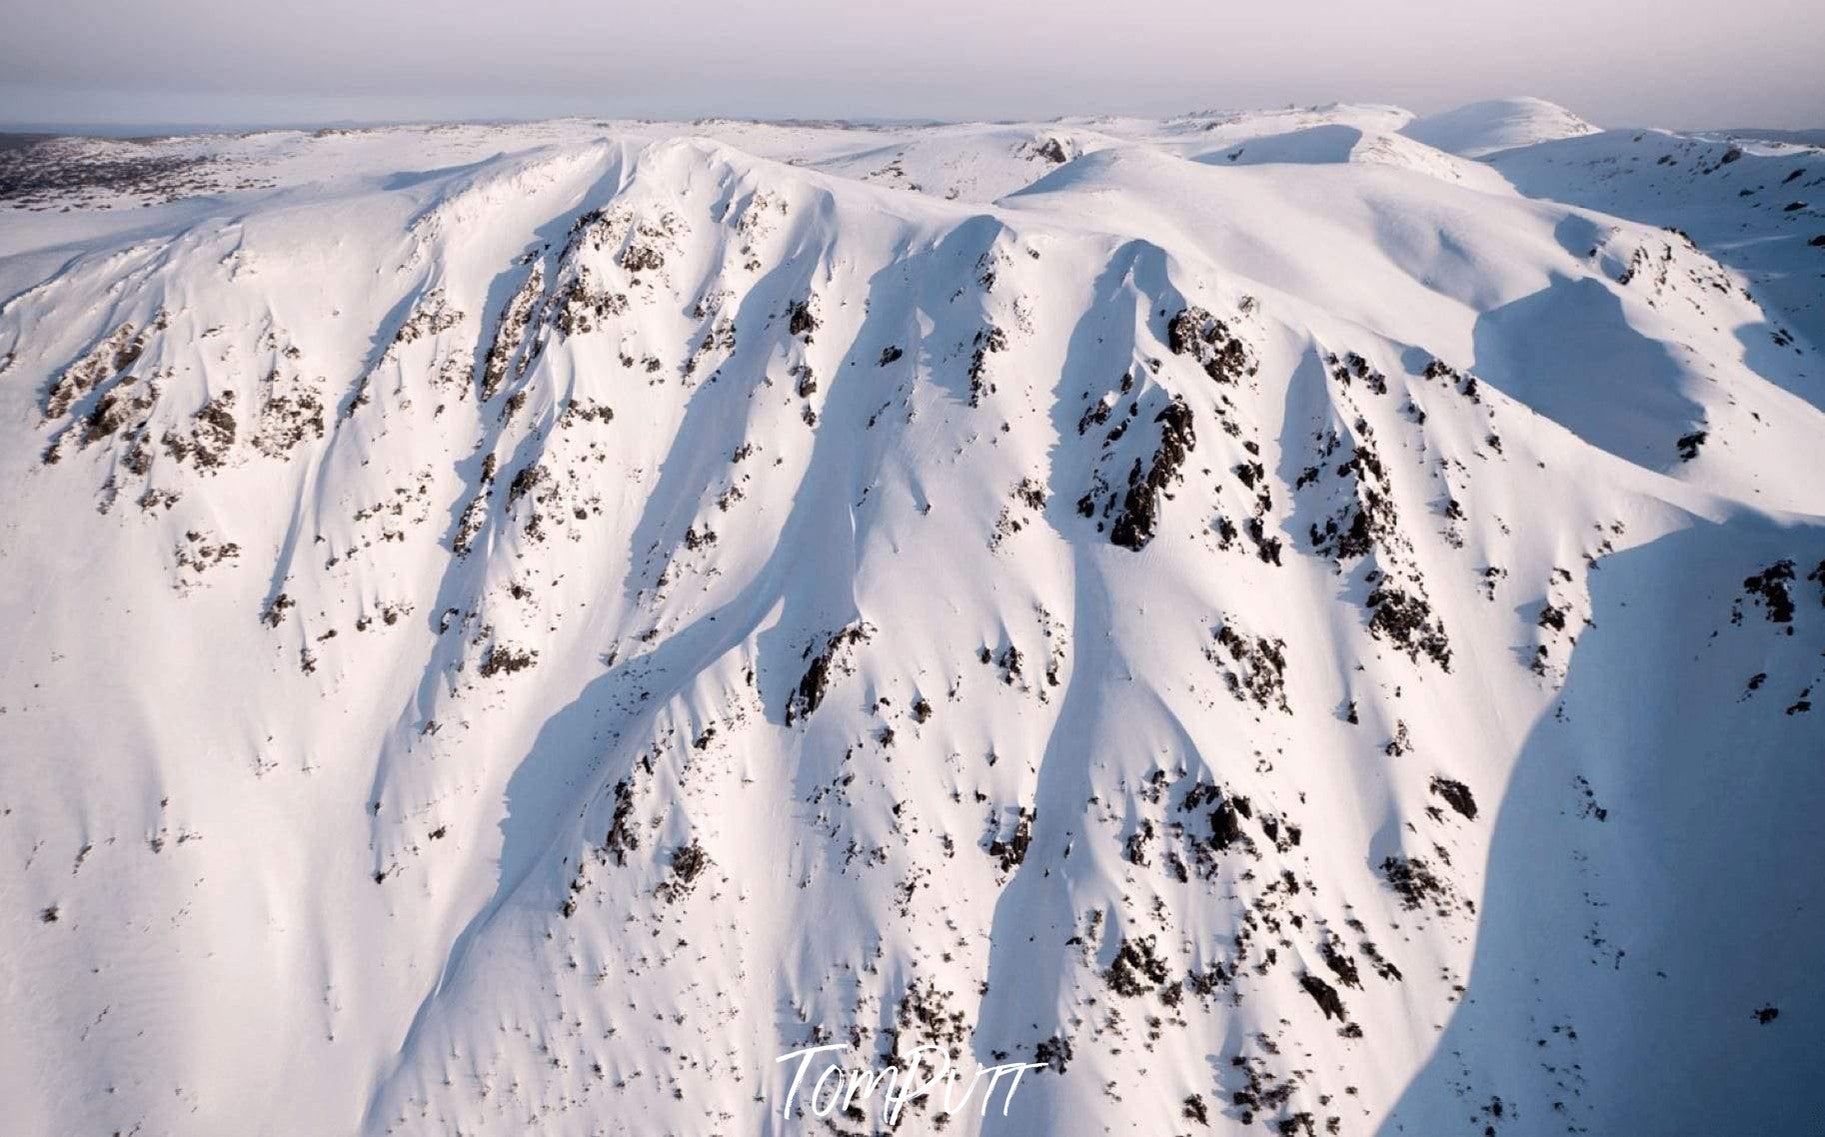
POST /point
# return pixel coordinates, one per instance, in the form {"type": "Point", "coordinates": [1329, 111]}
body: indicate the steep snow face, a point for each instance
{"type": "Point", "coordinates": [1485, 128]}
{"type": "Point", "coordinates": [524, 635]}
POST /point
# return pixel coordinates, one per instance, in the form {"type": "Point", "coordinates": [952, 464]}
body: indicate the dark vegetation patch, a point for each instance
{"type": "Point", "coordinates": [1407, 621]}
{"type": "Point", "coordinates": [1770, 587]}
{"type": "Point", "coordinates": [1134, 850]}
{"type": "Point", "coordinates": [274, 615]}
{"type": "Point", "coordinates": [1055, 1052]}
{"type": "Point", "coordinates": [505, 660]}
{"type": "Point", "coordinates": [42, 172]}
{"type": "Point", "coordinates": [1325, 996]}
{"type": "Point", "coordinates": [1463, 382]}
{"type": "Point", "coordinates": [1354, 367]}
{"type": "Point", "coordinates": [1341, 963]}
{"type": "Point", "coordinates": [1259, 672]}
{"type": "Point", "coordinates": [1138, 520]}
{"type": "Point", "coordinates": [1456, 794]}
{"type": "Point", "coordinates": [1137, 968]}
{"type": "Point", "coordinates": [1417, 885]}
{"type": "Point", "coordinates": [989, 340]}
{"type": "Point", "coordinates": [816, 681]}
{"type": "Point", "coordinates": [504, 354]}
{"type": "Point", "coordinates": [688, 863]}
{"type": "Point", "coordinates": [581, 306]}
{"type": "Point", "coordinates": [802, 320]}
{"type": "Point", "coordinates": [637, 257]}
{"type": "Point", "coordinates": [1366, 517]}
{"type": "Point", "coordinates": [1012, 850]}
{"type": "Point", "coordinates": [622, 837]}
{"type": "Point", "coordinates": [1195, 1109]}
{"type": "Point", "coordinates": [924, 1016]}
{"type": "Point", "coordinates": [1208, 340]}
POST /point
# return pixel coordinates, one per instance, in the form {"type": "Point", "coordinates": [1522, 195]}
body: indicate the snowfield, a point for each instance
{"type": "Point", "coordinates": [1491, 127]}
{"type": "Point", "coordinates": [1301, 622]}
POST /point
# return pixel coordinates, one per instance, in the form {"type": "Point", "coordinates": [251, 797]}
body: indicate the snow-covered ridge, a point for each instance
{"type": "Point", "coordinates": [1486, 128]}
{"type": "Point", "coordinates": [519, 627]}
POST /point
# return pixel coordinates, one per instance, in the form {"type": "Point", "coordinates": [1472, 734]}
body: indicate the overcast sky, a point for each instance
{"type": "Point", "coordinates": [1676, 63]}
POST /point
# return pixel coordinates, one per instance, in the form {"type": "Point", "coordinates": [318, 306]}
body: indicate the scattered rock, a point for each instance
{"type": "Point", "coordinates": [816, 680]}
{"type": "Point", "coordinates": [1456, 794]}
{"type": "Point", "coordinates": [1136, 969]}
{"type": "Point", "coordinates": [1138, 520]}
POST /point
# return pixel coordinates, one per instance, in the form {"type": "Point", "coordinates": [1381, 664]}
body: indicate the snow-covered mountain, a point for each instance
{"type": "Point", "coordinates": [1297, 629]}
{"type": "Point", "coordinates": [1481, 129]}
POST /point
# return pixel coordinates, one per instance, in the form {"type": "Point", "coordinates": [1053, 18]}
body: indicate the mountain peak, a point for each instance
{"type": "Point", "coordinates": [1483, 128]}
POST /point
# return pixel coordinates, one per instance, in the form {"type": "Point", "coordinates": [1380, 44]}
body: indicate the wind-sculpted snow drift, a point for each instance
{"type": "Point", "coordinates": [512, 629]}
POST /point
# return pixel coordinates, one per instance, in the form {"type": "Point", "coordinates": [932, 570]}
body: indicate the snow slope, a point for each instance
{"type": "Point", "coordinates": [513, 628]}
{"type": "Point", "coordinates": [1758, 208]}
{"type": "Point", "coordinates": [1482, 129]}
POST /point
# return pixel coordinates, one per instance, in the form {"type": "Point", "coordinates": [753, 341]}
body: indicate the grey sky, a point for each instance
{"type": "Point", "coordinates": [1680, 63]}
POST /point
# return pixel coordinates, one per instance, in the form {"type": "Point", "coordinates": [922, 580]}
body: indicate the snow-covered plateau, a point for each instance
{"type": "Point", "coordinates": [1296, 622]}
